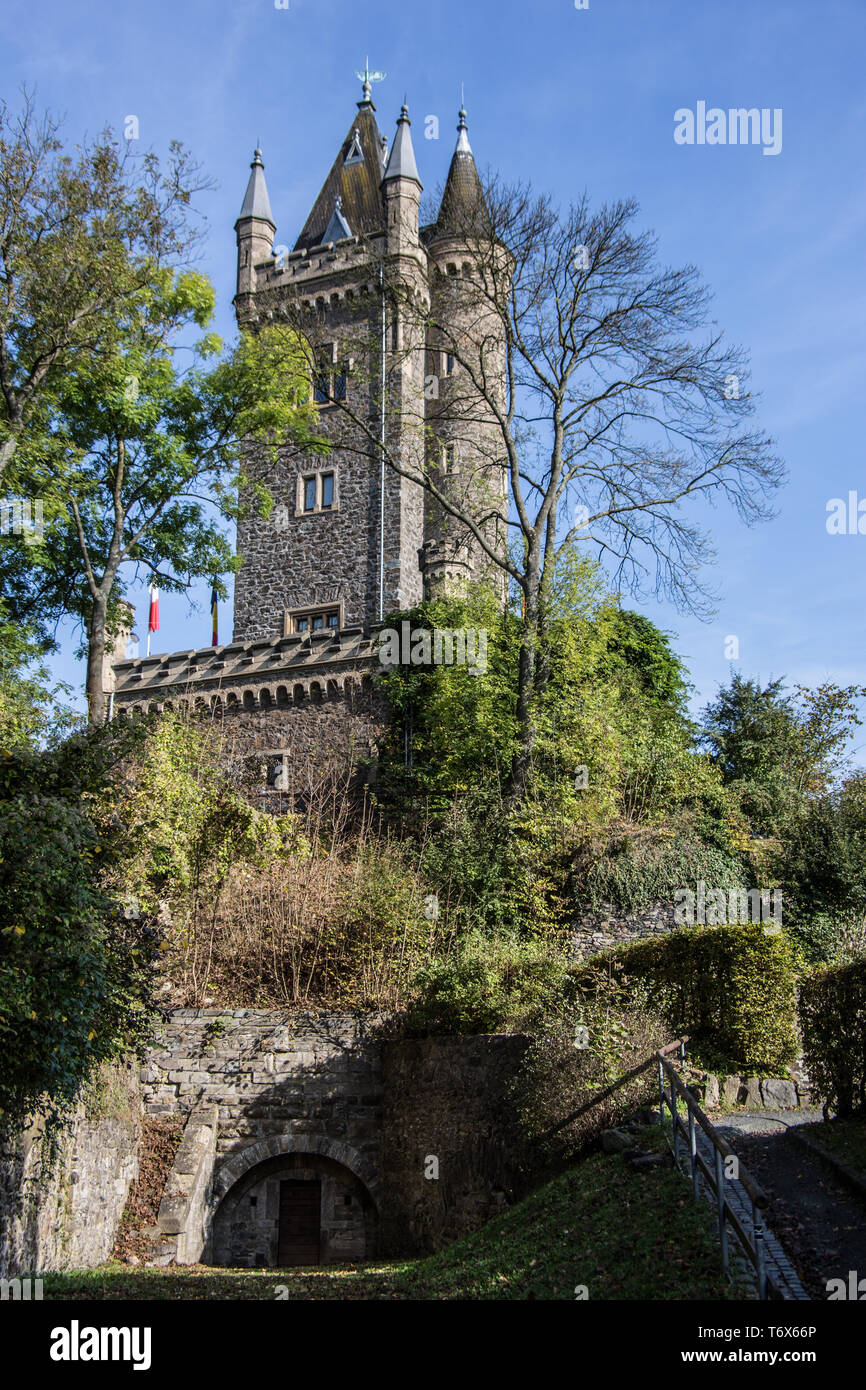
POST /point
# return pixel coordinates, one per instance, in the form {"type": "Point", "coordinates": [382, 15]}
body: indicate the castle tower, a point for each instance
{"type": "Point", "coordinates": [465, 341]}
{"type": "Point", "coordinates": [350, 539]}
{"type": "Point", "coordinates": [254, 231]}
{"type": "Point", "coordinates": [380, 302]}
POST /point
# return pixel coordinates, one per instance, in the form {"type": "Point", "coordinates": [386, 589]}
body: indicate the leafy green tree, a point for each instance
{"type": "Point", "coordinates": [81, 234]}
{"type": "Point", "coordinates": [639, 653]}
{"type": "Point", "coordinates": [775, 749]}
{"type": "Point", "coordinates": [32, 707]}
{"type": "Point", "coordinates": [141, 459]}
{"type": "Point", "coordinates": [75, 969]}
{"type": "Point", "coordinates": [824, 872]}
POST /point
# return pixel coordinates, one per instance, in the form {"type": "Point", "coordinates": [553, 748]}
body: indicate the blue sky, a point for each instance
{"type": "Point", "coordinates": [569, 99]}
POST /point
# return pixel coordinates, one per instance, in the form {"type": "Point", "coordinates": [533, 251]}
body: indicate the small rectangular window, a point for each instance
{"type": "Point", "coordinates": [447, 458]}
{"type": "Point", "coordinates": [301, 624]}
{"type": "Point", "coordinates": [340, 383]}
{"type": "Point", "coordinates": [327, 491]}
{"type": "Point", "coordinates": [449, 364]}
{"type": "Point", "coordinates": [333, 620]}
{"type": "Point", "coordinates": [318, 622]}
{"type": "Point", "coordinates": [309, 494]}
{"type": "Point", "coordinates": [322, 388]}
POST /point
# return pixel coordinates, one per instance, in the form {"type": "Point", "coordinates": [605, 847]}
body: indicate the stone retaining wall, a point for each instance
{"type": "Point", "coordinates": [603, 928]}
{"type": "Point", "coordinates": [448, 1111]}
{"type": "Point", "coordinates": [329, 1098]}
{"type": "Point", "coordinates": [65, 1215]}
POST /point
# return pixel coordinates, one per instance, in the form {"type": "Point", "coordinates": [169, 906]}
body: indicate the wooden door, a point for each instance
{"type": "Point", "coordinates": [300, 1221]}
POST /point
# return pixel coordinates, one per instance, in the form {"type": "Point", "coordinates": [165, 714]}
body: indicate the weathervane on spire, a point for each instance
{"type": "Point", "coordinates": [367, 78]}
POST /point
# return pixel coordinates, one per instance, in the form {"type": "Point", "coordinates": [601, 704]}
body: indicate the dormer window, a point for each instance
{"type": "Point", "coordinates": [355, 154]}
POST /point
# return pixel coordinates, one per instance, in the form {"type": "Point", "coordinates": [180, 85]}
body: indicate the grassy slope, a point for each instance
{"type": "Point", "coordinates": [624, 1235]}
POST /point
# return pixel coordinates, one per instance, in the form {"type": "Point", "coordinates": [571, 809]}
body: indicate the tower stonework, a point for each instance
{"type": "Point", "coordinates": [349, 541]}
{"type": "Point", "coordinates": [387, 311]}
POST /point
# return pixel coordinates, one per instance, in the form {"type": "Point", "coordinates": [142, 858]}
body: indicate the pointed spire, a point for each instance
{"type": "Point", "coordinates": [256, 202]}
{"type": "Point", "coordinates": [464, 207]}
{"type": "Point", "coordinates": [401, 162]}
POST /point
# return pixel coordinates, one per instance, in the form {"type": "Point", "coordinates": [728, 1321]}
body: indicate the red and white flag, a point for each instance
{"type": "Point", "coordinates": [153, 620]}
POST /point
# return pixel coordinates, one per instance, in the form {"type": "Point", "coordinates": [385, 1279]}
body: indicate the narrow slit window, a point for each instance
{"type": "Point", "coordinates": [309, 494]}
{"type": "Point", "coordinates": [340, 382]}
{"type": "Point", "coordinates": [327, 491]}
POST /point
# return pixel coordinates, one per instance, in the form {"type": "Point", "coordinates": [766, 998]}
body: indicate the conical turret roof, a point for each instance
{"type": "Point", "coordinates": [401, 164]}
{"type": "Point", "coordinates": [355, 179]}
{"type": "Point", "coordinates": [256, 201]}
{"type": "Point", "coordinates": [463, 207]}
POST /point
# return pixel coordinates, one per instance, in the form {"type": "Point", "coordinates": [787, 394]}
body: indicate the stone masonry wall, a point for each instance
{"type": "Point", "coordinates": [607, 927]}
{"type": "Point", "coordinates": [328, 1097]}
{"type": "Point", "coordinates": [448, 1099]}
{"type": "Point", "coordinates": [65, 1216]}
{"type": "Point", "coordinates": [271, 1073]}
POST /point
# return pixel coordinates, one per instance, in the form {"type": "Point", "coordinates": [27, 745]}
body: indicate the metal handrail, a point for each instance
{"type": "Point", "coordinates": [679, 1045]}
{"type": "Point", "coordinates": [716, 1177]}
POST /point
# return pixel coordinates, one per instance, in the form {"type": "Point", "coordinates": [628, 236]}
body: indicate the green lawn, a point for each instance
{"type": "Point", "coordinates": [845, 1139]}
{"type": "Point", "coordinates": [622, 1234]}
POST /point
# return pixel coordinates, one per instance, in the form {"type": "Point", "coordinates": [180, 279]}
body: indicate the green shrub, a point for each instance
{"type": "Point", "coordinates": [637, 872]}
{"type": "Point", "coordinates": [75, 971]}
{"type": "Point", "coordinates": [833, 1020]}
{"type": "Point", "coordinates": [487, 985]}
{"type": "Point", "coordinates": [591, 1043]}
{"type": "Point", "coordinates": [732, 986]}
{"type": "Point", "coordinates": [830, 938]}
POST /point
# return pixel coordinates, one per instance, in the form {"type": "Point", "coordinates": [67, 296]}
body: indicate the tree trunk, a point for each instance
{"type": "Point", "coordinates": [96, 660]}
{"type": "Point", "coordinates": [7, 453]}
{"type": "Point", "coordinates": [526, 689]}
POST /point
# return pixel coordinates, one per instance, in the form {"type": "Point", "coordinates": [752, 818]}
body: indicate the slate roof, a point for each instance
{"type": "Point", "coordinates": [463, 207]}
{"type": "Point", "coordinates": [256, 201]}
{"type": "Point", "coordinates": [401, 164]}
{"type": "Point", "coordinates": [356, 183]}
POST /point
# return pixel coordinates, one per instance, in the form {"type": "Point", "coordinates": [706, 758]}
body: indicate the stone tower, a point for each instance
{"type": "Point", "coordinates": [350, 539]}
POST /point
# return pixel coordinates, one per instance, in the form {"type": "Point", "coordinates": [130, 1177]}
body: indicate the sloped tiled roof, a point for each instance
{"type": "Point", "coordinates": [356, 183]}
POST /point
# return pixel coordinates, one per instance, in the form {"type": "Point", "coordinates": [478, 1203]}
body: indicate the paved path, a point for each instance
{"type": "Point", "coordinates": [820, 1220]}
{"type": "Point", "coordinates": [780, 1268]}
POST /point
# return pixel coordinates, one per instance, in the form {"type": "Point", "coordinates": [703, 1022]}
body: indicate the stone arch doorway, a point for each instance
{"type": "Point", "coordinates": [294, 1207]}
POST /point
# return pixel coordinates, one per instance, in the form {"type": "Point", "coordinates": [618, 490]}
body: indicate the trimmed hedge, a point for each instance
{"type": "Point", "coordinates": [833, 1019]}
{"type": "Point", "coordinates": [487, 985]}
{"type": "Point", "coordinates": [733, 987]}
